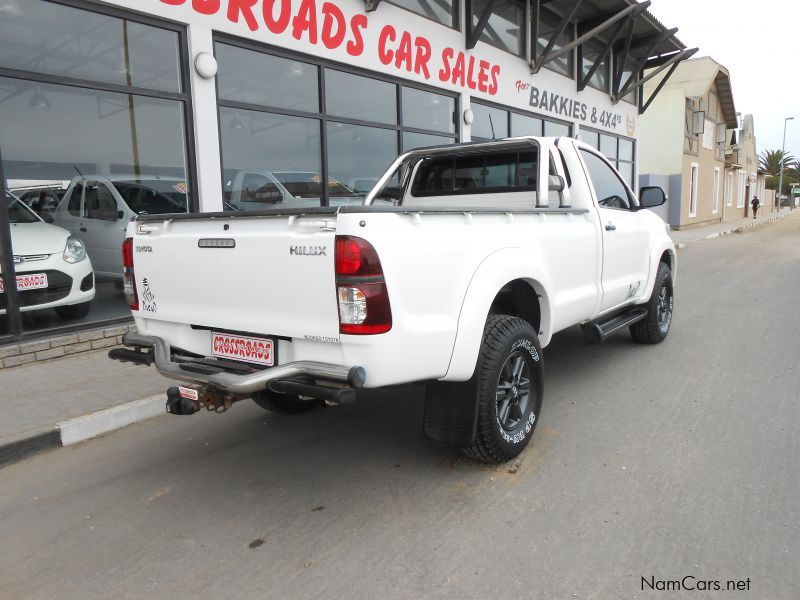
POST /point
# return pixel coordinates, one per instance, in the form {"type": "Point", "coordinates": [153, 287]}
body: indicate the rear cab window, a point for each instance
{"type": "Point", "coordinates": [499, 179]}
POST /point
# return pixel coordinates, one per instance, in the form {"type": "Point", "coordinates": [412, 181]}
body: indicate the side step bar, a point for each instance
{"type": "Point", "coordinates": [597, 331]}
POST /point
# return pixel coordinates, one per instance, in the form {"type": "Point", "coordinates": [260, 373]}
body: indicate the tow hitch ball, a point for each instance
{"type": "Point", "coordinates": [189, 400]}
{"type": "Point", "coordinates": [178, 405]}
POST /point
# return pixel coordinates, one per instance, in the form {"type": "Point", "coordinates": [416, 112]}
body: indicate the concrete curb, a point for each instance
{"type": "Point", "coordinates": [738, 229]}
{"type": "Point", "coordinates": [80, 429]}
{"type": "Point", "coordinates": [103, 421]}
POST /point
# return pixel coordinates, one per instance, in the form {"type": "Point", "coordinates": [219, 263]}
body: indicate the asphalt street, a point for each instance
{"type": "Point", "coordinates": [676, 462]}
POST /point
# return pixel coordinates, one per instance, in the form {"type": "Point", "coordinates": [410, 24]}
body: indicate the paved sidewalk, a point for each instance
{"type": "Point", "coordinates": [33, 398]}
{"type": "Point", "coordinates": [100, 394]}
{"type": "Point", "coordinates": [687, 236]}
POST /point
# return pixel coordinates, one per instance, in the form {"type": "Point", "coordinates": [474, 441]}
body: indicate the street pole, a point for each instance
{"type": "Point", "coordinates": [783, 150]}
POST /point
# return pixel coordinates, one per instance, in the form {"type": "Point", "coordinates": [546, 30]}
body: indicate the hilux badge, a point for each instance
{"type": "Point", "coordinates": [308, 250]}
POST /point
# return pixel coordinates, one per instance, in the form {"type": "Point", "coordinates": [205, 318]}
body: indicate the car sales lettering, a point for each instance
{"type": "Point", "coordinates": [325, 23]}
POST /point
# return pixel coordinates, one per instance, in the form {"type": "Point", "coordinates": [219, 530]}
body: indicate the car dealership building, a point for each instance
{"type": "Point", "coordinates": [248, 104]}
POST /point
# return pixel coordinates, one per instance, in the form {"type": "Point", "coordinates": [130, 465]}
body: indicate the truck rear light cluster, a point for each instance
{"type": "Point", "coordinates": [361, 292]}
{"type": "Point", "coordinates": [128, 275]}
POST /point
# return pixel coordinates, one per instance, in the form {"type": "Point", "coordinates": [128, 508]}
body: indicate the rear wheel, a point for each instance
{"type": "Point", "coordinates": [283, 403]}
{"type": "Point", "coordinates": [655, 326]}
{"type": "Point", "coordinates": [73, 311]}
{"type": "Point", "coordinates": [509, 389]}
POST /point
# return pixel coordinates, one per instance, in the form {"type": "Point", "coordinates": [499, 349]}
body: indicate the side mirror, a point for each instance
{"type": "Point", "coordinates": [555, 183]}
{"type": "Point", "coordinates": [650, 197]}
{"type": "Point", "coordinates": [120, 214]}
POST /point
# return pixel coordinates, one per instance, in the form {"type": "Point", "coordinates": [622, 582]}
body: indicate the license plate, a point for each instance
{"type": "Point", "coordinates": [248, 349]}
{"type": "Point", "coordinates": [33, 281]}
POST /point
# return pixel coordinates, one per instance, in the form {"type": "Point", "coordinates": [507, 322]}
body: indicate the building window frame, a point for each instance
{"type": "Point", "coordinates": [455, 17]}
{"type": "Point", "coordinates": [715, 192]}
{"type": "Point", "coordinates": [604, 69]}
{"type": "Point", "coordinates": [694, 177]}
{"type": "Point", "coordinates": [184, 97]}
{"type": "Point", "coordinates": [555, 19]}
{"type": "Point", "coordinates": [616, 161]}
{"type": "Point", "coordinates": [321, 115]}
{"type": "Point", "coordinates": [740, 194]}
{"type": "Point", "coordinates": [510, 109]}
{"type": "Point", "coordinates": [729, 188]}
{"type": "Point", "coordinates": [524, 42]}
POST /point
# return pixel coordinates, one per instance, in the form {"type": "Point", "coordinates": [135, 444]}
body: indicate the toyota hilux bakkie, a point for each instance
{"type": "Point", "coordinates": [457, 270]}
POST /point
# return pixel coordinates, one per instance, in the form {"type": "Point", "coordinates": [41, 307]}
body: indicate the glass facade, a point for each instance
{"type": "Point", "coordinates": [618, 150]}
{"type": "Point", "coordinates": [441, 11]}
{"type": "Point", "coordinates": [507, 123]}
{"type": "Point", "coordinates": [506, 26]}
{"type": "Point", "coordinates": [548, 24]}
{"type": "Point", "coordinates": [94, 117]}
{"type": "Point", "coordinates": [590, 52]}
{"type": "Point", "coordinates": [278, 148]}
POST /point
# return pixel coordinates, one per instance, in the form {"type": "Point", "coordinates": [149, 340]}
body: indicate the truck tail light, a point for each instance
{"type": "Point", "coordinates": [128, 275]}
{"type": "Point", "coordinates": [361, 292]}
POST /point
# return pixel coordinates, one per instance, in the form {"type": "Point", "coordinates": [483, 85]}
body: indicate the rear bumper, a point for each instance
{"type": "Point", "coordinates": [160, 354]}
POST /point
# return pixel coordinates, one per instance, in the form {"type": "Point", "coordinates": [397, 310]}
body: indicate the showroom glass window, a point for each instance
{"type": "Point", "coordinates": [505, 28]}
{"type": "Point", "coordinates": [441, 11]}
{"type": "Point", "coordinates": [492, 122]}
{"type": "Point", "coordinates": [589, 53]}
{"type": "Point", "coordinates": [618, 150]}
{"type": "Point", "coordinates": [548, 24]}
{"type": "Point", "coordinates": [301, 123]}
{"type": "Point", "coordinates": [627, 72]}
{"type": "Point", "coordinates": [95, 96]}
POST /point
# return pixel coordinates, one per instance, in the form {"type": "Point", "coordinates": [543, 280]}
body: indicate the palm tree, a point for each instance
{"type": "Point", "coordinates": [770, 161]}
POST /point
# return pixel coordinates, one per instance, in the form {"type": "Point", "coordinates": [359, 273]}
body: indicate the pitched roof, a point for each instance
{"type": "Point", "coordinates": [695, 77]}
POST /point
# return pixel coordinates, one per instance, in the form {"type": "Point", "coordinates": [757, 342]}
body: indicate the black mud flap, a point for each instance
{"type": "Point", "coordinates": [451, 412]}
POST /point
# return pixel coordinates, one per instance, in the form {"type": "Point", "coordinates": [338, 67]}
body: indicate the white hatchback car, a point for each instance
{"type": "Point", "coordinates": [52, 267]}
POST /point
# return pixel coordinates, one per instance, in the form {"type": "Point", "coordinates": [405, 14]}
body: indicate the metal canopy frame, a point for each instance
{"type": "Point", "coordinates": [474, 33]}
{"type": "Point", "coordinates": [671, 64]}
{"type": "Point", "coordinates": [594, 27]}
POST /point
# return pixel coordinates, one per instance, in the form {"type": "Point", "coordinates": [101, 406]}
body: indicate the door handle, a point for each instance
{"type": "Point", "coordinates": [611, 227]}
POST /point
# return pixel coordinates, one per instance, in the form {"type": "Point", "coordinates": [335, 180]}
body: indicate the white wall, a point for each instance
{"type": "Point", "coordinates": [661, 134]}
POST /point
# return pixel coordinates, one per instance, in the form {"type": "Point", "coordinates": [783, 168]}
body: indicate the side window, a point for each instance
{"type": "Point", "coordinates": [99, 203]}
{"type": "Point", "coordinates": [611, 192]}
{"type": "Point", "coordinates": [74, 206]}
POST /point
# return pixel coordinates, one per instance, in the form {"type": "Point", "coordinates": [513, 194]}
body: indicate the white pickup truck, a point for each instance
{"type": "Point", "coordinates": [459, 268]}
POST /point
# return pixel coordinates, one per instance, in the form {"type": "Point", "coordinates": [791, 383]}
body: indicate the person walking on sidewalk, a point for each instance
{"type": "Point", "coordinates": [755, 203]}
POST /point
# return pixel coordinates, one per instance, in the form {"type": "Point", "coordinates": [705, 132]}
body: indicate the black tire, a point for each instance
{"type": "Point", "coordinates": [74, 311]}
{"type": "Point", "coordinates": [508, 403]}
{"type": "Point", "coordinates": [654, 328]}
{"type": "Point", "coordinates": [287, 404]}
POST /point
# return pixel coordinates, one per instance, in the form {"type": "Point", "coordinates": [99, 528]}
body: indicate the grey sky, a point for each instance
{"type": "Point", "coordinates": [758, 43]}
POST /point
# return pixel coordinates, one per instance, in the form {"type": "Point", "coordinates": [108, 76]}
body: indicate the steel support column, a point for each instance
{"type": "Point", "coordinates": [14, 318]}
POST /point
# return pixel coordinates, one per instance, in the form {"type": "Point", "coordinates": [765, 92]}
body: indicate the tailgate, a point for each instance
{"type": "Point", "coordinates": [267, 275]}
